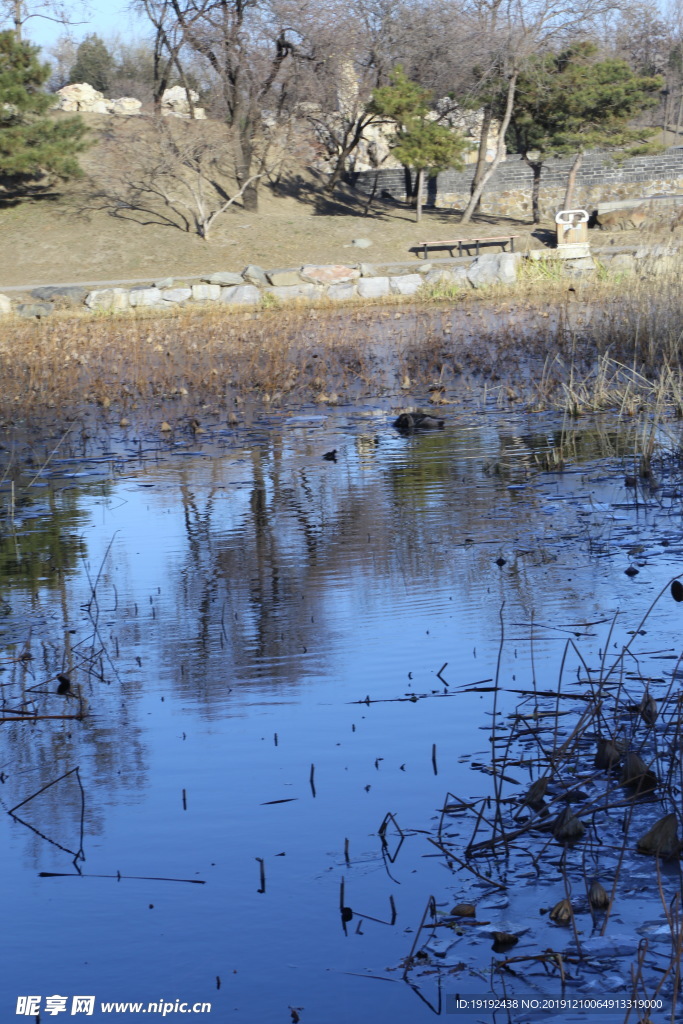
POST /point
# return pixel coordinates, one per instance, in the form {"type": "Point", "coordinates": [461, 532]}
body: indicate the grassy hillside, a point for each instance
{"type": "Point", "coordinates": [63, 239]}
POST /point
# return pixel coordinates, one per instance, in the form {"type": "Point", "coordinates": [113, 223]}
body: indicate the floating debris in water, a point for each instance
{"type": "Point", "coordinates": [608, 754]}
{"type": "Point", "coordinates": [677, 590]}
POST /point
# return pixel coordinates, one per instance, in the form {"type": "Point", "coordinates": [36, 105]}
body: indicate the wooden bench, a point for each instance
{"type": "Point", "coordinates": [467, 243]}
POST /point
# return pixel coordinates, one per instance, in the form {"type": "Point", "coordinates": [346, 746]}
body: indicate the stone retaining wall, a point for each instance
{"type": "Point", "coordinates": [335, 283]}
{"type": "Point", "coordinates": [508, 193]}
{"type": "Point", "coordinates": [257, 287]}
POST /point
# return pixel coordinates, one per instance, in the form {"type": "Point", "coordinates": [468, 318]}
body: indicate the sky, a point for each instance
{"type": "Point", "coordinates": [104, 17]}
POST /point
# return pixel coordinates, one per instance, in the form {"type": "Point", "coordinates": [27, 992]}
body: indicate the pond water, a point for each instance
{"type": "Point", "coordinates": [274, 650]}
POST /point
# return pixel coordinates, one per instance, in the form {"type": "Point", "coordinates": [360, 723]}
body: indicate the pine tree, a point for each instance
{"type": "Point", "coordinates": [421, 143]}
{"type": "Point", "coordinates": [568, 102]}
{"type": "Point", "coordinates": [94, 64]}
{"type": "Point", "coordinates": [32, 146]}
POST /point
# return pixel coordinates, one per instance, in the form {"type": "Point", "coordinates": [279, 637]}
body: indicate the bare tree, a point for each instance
{"type": "Point", "coordinates": [247, 44]}
{"type": "Point", "coordinates": [168, 46]}
{"type": "Point", "coordinates": [173, 173]}
{"type": "Point", "coordinates": [18, 12]}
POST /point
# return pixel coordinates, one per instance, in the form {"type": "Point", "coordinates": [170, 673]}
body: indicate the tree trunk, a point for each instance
{"type": "Point", "coordinates": [243, 158]}
{"type": "Point", "coordinates": [18, 19]}
{"type": "Point", "coordinates": [536, 169]}
{"type": "Point", "coordinates": [483, 143]}
{"type": "Point", "coordinates": [418, 198]}
{"type": "Point", "coordinates": [500, 149]}
{"type": "Point", "coordinates": [571, 180]}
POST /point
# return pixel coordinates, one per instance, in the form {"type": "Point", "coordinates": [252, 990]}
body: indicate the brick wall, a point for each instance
{"type": "Point", "coordinates": [508, 193]}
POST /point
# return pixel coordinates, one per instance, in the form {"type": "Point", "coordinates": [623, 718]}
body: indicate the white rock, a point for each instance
{"type": "Point", "coordinates": [5, 305]}
{"type": "Point", "coordinates": [341, 292]}
{"type": "Point", "coordinates": [407, 284]}
{"type": "Point", "coordinates": [286, 293]}
{"type": "Point", "coordinates": [126, 105]}
{"type": "Point", "coordinates": [206, 292]}
{"type": "Point", "coordinates": [373, 287]}
{"type": "Point", "coordinates": [174, 102]}
{"type": "Point", "coordinates": [242, 295]}
{"type": "Point", "coordinates": [176, 294]}
{"type": "Point", "coordinates": [108, 299]}
{"type": "Point", "coordinates": [144, 296]}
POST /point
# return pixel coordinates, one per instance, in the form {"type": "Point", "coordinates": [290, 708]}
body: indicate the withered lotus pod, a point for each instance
{"type": "Point", "coordinates": [597, 896]}
{"type": "Point", "coordinates": [568, 828]}
{"type": "Point", "coordinates": [648, 709]}
{"type": "Point", "coordinates": [535, 793]}
{"type": "Point", "coordinates": [562, 912]}
{"type": "Point", "coordinates": [608, 753]}
{"type": "Point", "coordinates": [662, 839]}
{"type": "Point", "coordinates": [464, 910]}
{"type": "Point", "coordinates": [636, 774]}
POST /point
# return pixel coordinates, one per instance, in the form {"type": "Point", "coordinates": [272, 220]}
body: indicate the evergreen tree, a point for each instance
{"type": "Point", "coordinates": [31, 144]}
{"type": "Point", "coordinates": [568, 102]}
{"type": "Point", "coordinates": [94, 64]}
{"type": "Point", "coordinates": [421, 143]}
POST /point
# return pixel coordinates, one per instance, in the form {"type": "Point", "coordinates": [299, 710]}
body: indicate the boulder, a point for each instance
{"type": "Point", "coordinates": [82, 97]}
{"type": "Point", "coordinates": [35, 309]}
{"type": "Point", "coordinates": [361, 243]}
{"type": "Point", "coordinates": [373, 287]}
{"type": "Point", "coordinates": [255, 275]}
{"type": "Point", "coordinates": [144, 296]}
{"type": "Point", "coordinates": [108, 300]}
{"type": "Point", "coordinates": [225, 278]}
{"type": "Point", "coordinates": [5, 305]}
{"type": "Point", "coordinates": [332, 274]}
{"type": "Point", "coordinates": [367, 270]}
{"type": "Point", "coordinates": [283, 278]}
{"type": "Point", "coordinates": [165, 282]}
{"type": "Point", "coordinates": [71, 293]}
{"type": "Point", "coordinates": [176, 294]}
{"type": "Point", "coordinates": [406, 284]}
{"type": "Point", "coordinates": [174, 103]}
{"type": "Point", "coordinates": [286, 293]}
{"type": "Point", "coordinates": [341, 292]}
{"type": "Point", "coordinates": [126, 106]}
{"type": "Point", "coordinates": [493, 268]}
{"type": "Point", "coordinates": [206, 292]}
{"type": "Point", "coordinates": [242, 295]}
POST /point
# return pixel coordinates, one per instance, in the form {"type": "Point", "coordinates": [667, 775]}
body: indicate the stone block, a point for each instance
{"type": "Point", "coordinates": [367, 270]}
{"type": "Point", "coordinates": [623, 261]}
{"type": "Point", "coordinates": [406, 284]}
{"type": "Point", "coordinates": [176, 294]}
{"type": "Point", "coordinates": [341, 292]}
{"type": "Point", "coordinates": [283, 278]}
{"type": "Point", "coordinates": [206, 292]}
{"type": "Point", "coordinates": [255, 275]}
{"type": "Point", "coordinates": [71, 293]}
{"type": "Point", "coordinates": [225, 277]}
{"type": "Point", "coordinates": [35, 309]}
{"type": "Point", "coordinates": [108, 299]}
{"type": "Point", "coordinates": [332, 274]}
{"type": "Point", "coordinates": [241, 295]}
{"type": "Point", "coordinates": [286, 293]}
{"type": "Point", "coordinates": [493, 268]}
{"type": "Point", "coordinates": [144, 297]}
{"type": "Point", "coordinates": [165, 282]}
{"type": "Point", "coordinates": [5, 305]}
{"type": "Point", "coordinates": [373, 287]}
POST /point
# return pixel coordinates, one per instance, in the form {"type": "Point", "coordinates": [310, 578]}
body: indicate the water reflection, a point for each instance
{"type": "Point", "coordinates": [244, 600]}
